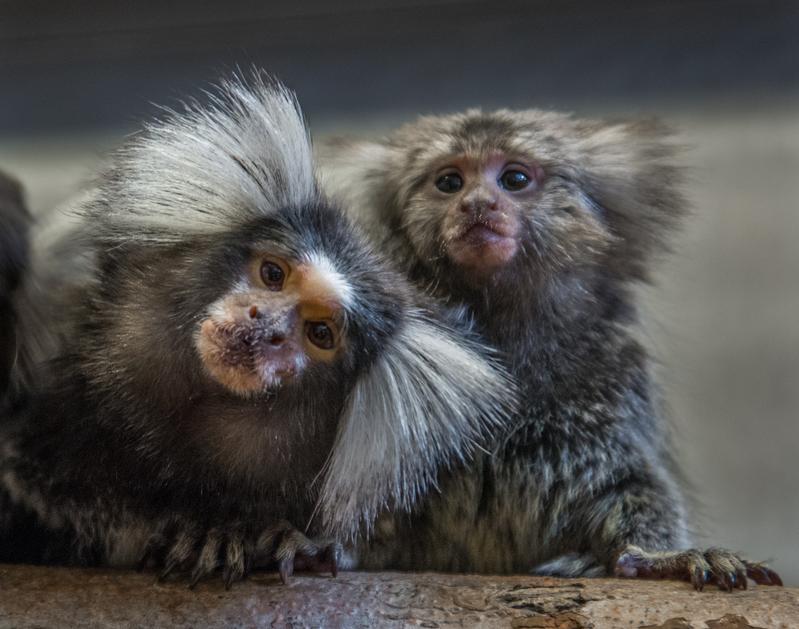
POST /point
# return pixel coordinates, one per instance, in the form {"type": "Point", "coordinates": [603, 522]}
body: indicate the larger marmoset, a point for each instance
{"type": "Point", "coordinates": [211, 351]}
{"type": "Point", "coordinates": [539, 224]}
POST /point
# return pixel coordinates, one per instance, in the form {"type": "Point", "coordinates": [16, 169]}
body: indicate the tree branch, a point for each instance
{"type": "Point", "coordinates": [60, 597]}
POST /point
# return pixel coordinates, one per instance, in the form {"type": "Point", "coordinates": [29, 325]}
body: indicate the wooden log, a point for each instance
{"type": "Point", "coordinates": [64, 597]}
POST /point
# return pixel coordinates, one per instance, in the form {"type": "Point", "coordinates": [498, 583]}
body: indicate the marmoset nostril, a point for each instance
{"type": "Point", "coordinates": [277, 339]}
{"type": "Point", "coordinates": [253, 312]}
{"type": "Point", "coordinates": [478, 206]}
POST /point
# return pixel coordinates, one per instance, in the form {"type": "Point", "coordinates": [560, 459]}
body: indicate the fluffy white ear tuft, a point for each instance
{"type": "Point", "coordinates": [211, 167]}
{"type": "Point", "coordinates": [425, 404]}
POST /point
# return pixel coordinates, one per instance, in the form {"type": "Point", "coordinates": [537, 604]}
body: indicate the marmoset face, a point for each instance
{"type": "Point", "coordinates": [482, 200]}
{"type": "Point", "coordinates": [286, 314]}
{"type": "Point", "coordinates": [494, 195]}
{"type": "Point", "coordinates": [297, 302]}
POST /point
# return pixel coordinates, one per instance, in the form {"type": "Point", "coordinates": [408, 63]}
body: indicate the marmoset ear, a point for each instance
{"type": "Point", "coordinates": [631, 171]}
{"type": "Point", "coordinates": [345, 160]}
{"type": "Point", "coordinates": [361, 175]}
{"type": "Point", "coordinates": [425, 404]}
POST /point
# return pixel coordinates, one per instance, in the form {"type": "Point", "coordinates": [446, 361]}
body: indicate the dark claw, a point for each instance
{"type": "Point", "coordinates": [741, 580]}
{"type": "Point", "coordinates": [170, 566]}
{"type": "Point", "coordinates": [155, 548]}
{"type": "Point", "coordinates": [332, 557]}
{"type": "Point", "coordinates": [759, 575]}
{"type": "Point", "coordinates": [233, 573]}
{"type": "Point", "coordinates": [249, 561]}
{"type": "Point", "coordinates": [699, 578]}
{"type": "Point", "coordinates": [720, 579]}
{"type": "Point", "coordinates": [196, 576]}
{"type": "Point", "coordinates": [726, 581]}
{"type": "Point", "coordinates": [762, 575]}
{"type": "Point", "coordinates": [229, 577]}
{"type": "Point", "coordinates": [145, 559]}
{"type": "Point", "coordinates": [286, 569]}
{"type": "Point", "coordinates": [775, 578]}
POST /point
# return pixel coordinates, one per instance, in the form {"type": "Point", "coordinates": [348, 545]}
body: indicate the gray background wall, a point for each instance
{"type": "Point", "coordinates": [724, 318]}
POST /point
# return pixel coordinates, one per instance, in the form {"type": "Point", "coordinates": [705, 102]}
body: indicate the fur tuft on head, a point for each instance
{"type": "Point", "coordinates": [425, 405]}
{"type": "Point", "coordinates": [210, 167]}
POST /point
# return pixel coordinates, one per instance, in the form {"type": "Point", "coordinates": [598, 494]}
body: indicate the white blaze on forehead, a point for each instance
{"type": "Point", "coordinates": [333, 277]}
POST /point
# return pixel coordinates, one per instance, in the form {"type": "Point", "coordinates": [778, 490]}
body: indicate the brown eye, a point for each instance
{"type": "Point", "coordinates": [449, 183]}
{"type": "Point", "coordinates": [320, 334]}
{"type": "Point", "coordinates": [514, 180]}
{"type": "Point", "coordinates": [272, 275]}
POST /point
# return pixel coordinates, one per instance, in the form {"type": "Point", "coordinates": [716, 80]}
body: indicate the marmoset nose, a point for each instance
{"type": "Point", "coordinates": [479, 203]}
{"type": "Point", "coordinates": [273, 326]}
{"type": "Point", "coordinates": [277, 339]}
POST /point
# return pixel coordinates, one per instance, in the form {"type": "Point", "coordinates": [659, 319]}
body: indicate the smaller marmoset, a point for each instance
{"type": "Point", "coordinates": [538, 224]}
{"type": "Point", "coordinates": [211, 351]}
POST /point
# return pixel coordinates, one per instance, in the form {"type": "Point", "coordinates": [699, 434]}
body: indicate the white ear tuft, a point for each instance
{"type": "Point", "coordinates": [209, 168]}
{"type": "Point", "coordinates": [425, 404]}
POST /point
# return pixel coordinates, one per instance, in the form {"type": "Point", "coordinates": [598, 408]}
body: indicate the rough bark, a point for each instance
{"type": "Point", "coordinates": [60, 597]}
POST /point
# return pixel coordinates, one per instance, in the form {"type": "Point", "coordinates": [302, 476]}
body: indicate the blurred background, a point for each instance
{"type": "Point", "coordinates": [723, 320]}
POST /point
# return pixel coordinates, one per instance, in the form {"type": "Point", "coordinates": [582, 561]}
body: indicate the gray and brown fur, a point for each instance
{"type": "Point", "coordinates": [586, 470]}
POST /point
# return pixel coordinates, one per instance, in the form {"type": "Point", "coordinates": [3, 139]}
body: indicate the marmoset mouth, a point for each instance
{"type": "Point", "coordinates": [483, 233]}
{"type": "Point", "coordinates": [484, 243]}
{"type": "Point", "coordinates": [275, 371]}
{"type": "Point", "coordinates": [485, 222]}
{"type": "Point", "coordinates": [249, 359]}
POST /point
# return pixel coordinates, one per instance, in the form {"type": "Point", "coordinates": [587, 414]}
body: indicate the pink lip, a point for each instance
{"type": "Point", "coordinates": [484, 245]}
{"type": "Point", "coordinates": [483, 232]}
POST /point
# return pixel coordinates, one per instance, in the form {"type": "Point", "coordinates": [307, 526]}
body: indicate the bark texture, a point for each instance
{"type": "Point", "coordinates": [55, 597]}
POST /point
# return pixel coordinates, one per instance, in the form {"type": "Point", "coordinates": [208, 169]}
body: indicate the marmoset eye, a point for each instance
{"type": "Point", "coordinates": [320, 334]}
{"type": "Point", "coordinates": [272, 275]}
{"type": "Point", "coordinates": [449, 183]}
{"type": "Point", "coordinates": [514, 180]}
